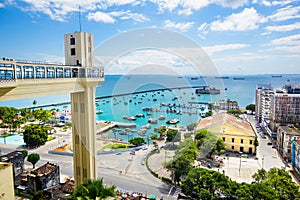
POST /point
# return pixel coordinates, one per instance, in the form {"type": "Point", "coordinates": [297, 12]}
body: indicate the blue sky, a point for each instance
{"type": "Point", "coordinates": [240, 36]}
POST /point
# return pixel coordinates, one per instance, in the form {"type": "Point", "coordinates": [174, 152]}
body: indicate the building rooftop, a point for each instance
{"type": "Point", "coordinates": [45, 169]}
{"type": "Point", "coordinates": [290, 129]}
{"type": "Point", "coordinates": [10, 156]}
{"type": "Point", "coordinates": [226, 124]}
{"type": "Point", "coordinates": [4, 165]}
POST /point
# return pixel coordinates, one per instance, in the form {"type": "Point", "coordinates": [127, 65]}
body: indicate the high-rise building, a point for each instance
{"type": "Point", "coordinates": [264, 93]}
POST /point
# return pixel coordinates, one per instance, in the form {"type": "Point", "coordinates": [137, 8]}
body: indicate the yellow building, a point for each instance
{"type": "Point", "coordinates": [237, 134]}
{"type": "Point", "coordinates": [6, 181]}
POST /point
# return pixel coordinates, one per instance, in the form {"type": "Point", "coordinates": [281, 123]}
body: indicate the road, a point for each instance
{"type": "Point", "coordinates": [134, 177]}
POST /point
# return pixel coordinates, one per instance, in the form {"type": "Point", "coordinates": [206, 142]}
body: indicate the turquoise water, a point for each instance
{"type": "Point", "coordinates": [114, 109]}
{"type": "Point", "coordinates": [16, 139]}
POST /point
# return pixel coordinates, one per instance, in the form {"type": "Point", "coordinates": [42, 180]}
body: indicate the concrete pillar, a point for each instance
{"type": "Point", "coordinates": [84, 130]}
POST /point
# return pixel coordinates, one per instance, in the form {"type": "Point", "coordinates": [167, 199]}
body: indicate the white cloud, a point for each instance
{"type": "Point", "coordinates": [194, 4]}
{"type": "Point", "coordinates": [285, 13]}
{"type": "Point", "coordinates": [101, 17]}
{"type": "Point", "coordinates": [230, 4]}
{"type": "Point", "coordinates": [187, 11]}
{"type": "Point", "coordinates": [284, 28]}
{"type": "Point", "coordinates": [125, 15]}
{"type": "Point", "coordinates": [166, 4]}
{"type": "Point", "coordinates": [178, 26]}
{"type": "Point", "coordinates": [248, 19]}
{"type": "Point", "coordinates": [218, 48]}
{"type": "Point", "coordinates": [273, 3]}
{"type": "Point", "coordinates": [287, 44]}
{"type": "Point", "coordinates": [289, 40]}
{"type": "Point", "coordinates": [2, 5]}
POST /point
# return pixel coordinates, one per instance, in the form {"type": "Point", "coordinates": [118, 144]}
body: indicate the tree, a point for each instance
{"type": "Point", "coordinates": [173, 136]}
{"type": "Point", "coordinates": [191, 126]}
{"type": "Point", "coordinates": [154, 137]}
{"type": "Point", "coordinates": [183, 160]}
{"type": "Point", "coordinates": [93, 189]}
{"type": "Point", "coordinates": [251, 107]}
{"type": "Point", "coordinates": [25, 153]}
{"type": "Point", "coordinates": [201, 183]}
{"type": "Point", "coordinates": [42, 115]}
{"type": "Point", "coordinates": [33, 159]}
{"type": "Point", "coordinates": [235, 112]}
{"type": "Point", "coordinates": [137, 141]}
{"type": "Point", "coordinates": [280, 181]}
{"type": "Point", "coordinates": [35, 135]}
{"type": "Point", "coordinates": [209, 113]}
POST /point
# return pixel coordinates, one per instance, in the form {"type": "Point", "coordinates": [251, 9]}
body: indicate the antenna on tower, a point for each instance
{"type": "Point", "coordinates": [79, 17]}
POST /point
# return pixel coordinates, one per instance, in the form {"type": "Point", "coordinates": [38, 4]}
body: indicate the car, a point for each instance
{"type": "Point", "coordinates": [132, 153]}
{"type": "Point", "coordinates": [118, 153]}
{"type": "Point", "coordinates": [270, 143]}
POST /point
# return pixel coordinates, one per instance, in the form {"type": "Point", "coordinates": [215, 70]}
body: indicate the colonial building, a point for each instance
{"type": "Point", "coordinates": [43, 178]}
{"type": "Point", "coordinates": [6, 181]}
{"type": "Point", "coordinates": [228, 105]}
{"type": "Point", "coordinates": [285, 136]}
{"type": "Point", "coordinates": [237, 134]}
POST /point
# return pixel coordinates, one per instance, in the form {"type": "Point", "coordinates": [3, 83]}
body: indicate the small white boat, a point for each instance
{"type": "Point", "coordinates": [172, 121]}
{"type": "Point", "coordinates": [162, 117]}
{"type": "Point", "coordinates": [99, 111]}
{"type": "Point", "coordinates": [152, 121]}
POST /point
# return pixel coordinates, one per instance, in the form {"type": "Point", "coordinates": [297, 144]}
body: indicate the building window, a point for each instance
{"type": "Point", "coordinates": [232, 139]}
{"type": "Point", "coordinates": [223, 139]}
{"type": "Point", "coordinates": [232, 147]}
{"type": "Point", "coordinates": [72, 41]}
{"type": "Point", "coordinates": [73, 52]}
{"type": "Point", "coordinates": [241, 149]}
{"type": "Point", "coordinates": [242, 141]}
{"type": "Point", "coordinates": [251, 141]}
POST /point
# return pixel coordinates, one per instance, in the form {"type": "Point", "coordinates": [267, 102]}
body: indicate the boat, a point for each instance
{"type": "Point", "coordinates": [148, 126]}
{"type": "Point", "coordinates": [194, 78]}
{"type": "Point", "coordinates": [238, 78]}
{"type": "Point", "coordinates": [140, 115]}
{"type": "Point", "coordinates": [222, 77]}
{"type": "Point", "coordinates": [172, 121]}
{"type": "Point", "coordinates": [152, 121]}
{"type": "Point", "coordinates": [162, 117]}
{"type": "Point", "coordinates": [276, 76]}
{"type": "Point", "coordinates": [99, 111]}
{"type": "Point", "coordinates": [207, 90]}
{"type": "Point", "coordinates": [132, 118]}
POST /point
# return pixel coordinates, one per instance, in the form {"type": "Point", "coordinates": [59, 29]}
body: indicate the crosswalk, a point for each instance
{"type": "Point", "coordinates": [176, 190]}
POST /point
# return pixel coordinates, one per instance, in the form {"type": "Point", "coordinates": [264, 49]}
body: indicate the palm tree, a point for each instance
{"type": "Point", "coordinates": [93, 189]}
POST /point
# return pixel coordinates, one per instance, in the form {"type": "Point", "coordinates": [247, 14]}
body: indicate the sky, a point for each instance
{"type": "Point", "coordinates": [238, 36]}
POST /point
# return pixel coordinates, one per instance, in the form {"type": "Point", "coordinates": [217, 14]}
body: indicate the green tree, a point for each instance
{"type": "Point", "coordinates": [42, 115]}
{"type": "Point", "coordinates": [25, 153]}
{"type": "Point", "coordinates": [191, 126]}
{"type": "Point", "coordinates": [154, 137]}
{"type": "Point", "coordinates": [173, 136]}
{"type": "Point", "coordinates": [209, 113]}
{"type": "Point", "coordinates": [183, 160]}
{"type": "Point", "coordinates": [235, 112]}
{"type": "Point", "coordinates": [93, 189]}
{"type": "Point", "coordinates": [201, 183]}
{"type": "Point", "coordinates": [33, 159]}
{"type": "Point", "coordinates": [280, 181]}
{"type": "Point", "coordinates": [137, 141]}
{"type": "Point", "coordinates": [251, 107]}
{"type": "Point", "coordinates": [35, 135]}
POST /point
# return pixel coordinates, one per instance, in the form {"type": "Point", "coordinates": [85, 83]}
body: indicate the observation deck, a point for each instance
{"type": "Point", "coordinates": [27, 79]}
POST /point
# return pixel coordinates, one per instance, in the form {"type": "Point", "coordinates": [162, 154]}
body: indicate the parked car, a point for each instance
{"type": "Point", "coordinates": [270, 143]}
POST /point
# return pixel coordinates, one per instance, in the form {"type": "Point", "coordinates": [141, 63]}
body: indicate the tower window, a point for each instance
{"type": "Point", "coordinates": [73, 52]}
{"type": "Point", "coordinates": [72, 41]}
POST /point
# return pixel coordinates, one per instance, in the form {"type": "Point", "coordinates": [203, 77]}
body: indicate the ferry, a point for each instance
{"type": "Point", "coordinates": [207, 90]}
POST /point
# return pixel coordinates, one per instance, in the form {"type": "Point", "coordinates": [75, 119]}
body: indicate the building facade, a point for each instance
{"type": "Point", "coordinates": [228, 105]}
{"type": "Point", "coordinates": [285, 110]}
{"type": "Point", "coordinates": [237, 134]}
{"type": "Point", "coordinates": [263, 96]}
{"type": "Point", "coordinates": [285, 137]}
{"type": "Point", "coordinates": [43, 178]}
{"type": "Point", "coordinates": [296, 156]}
{"type": "Point", "coordinates": [6, 181]}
